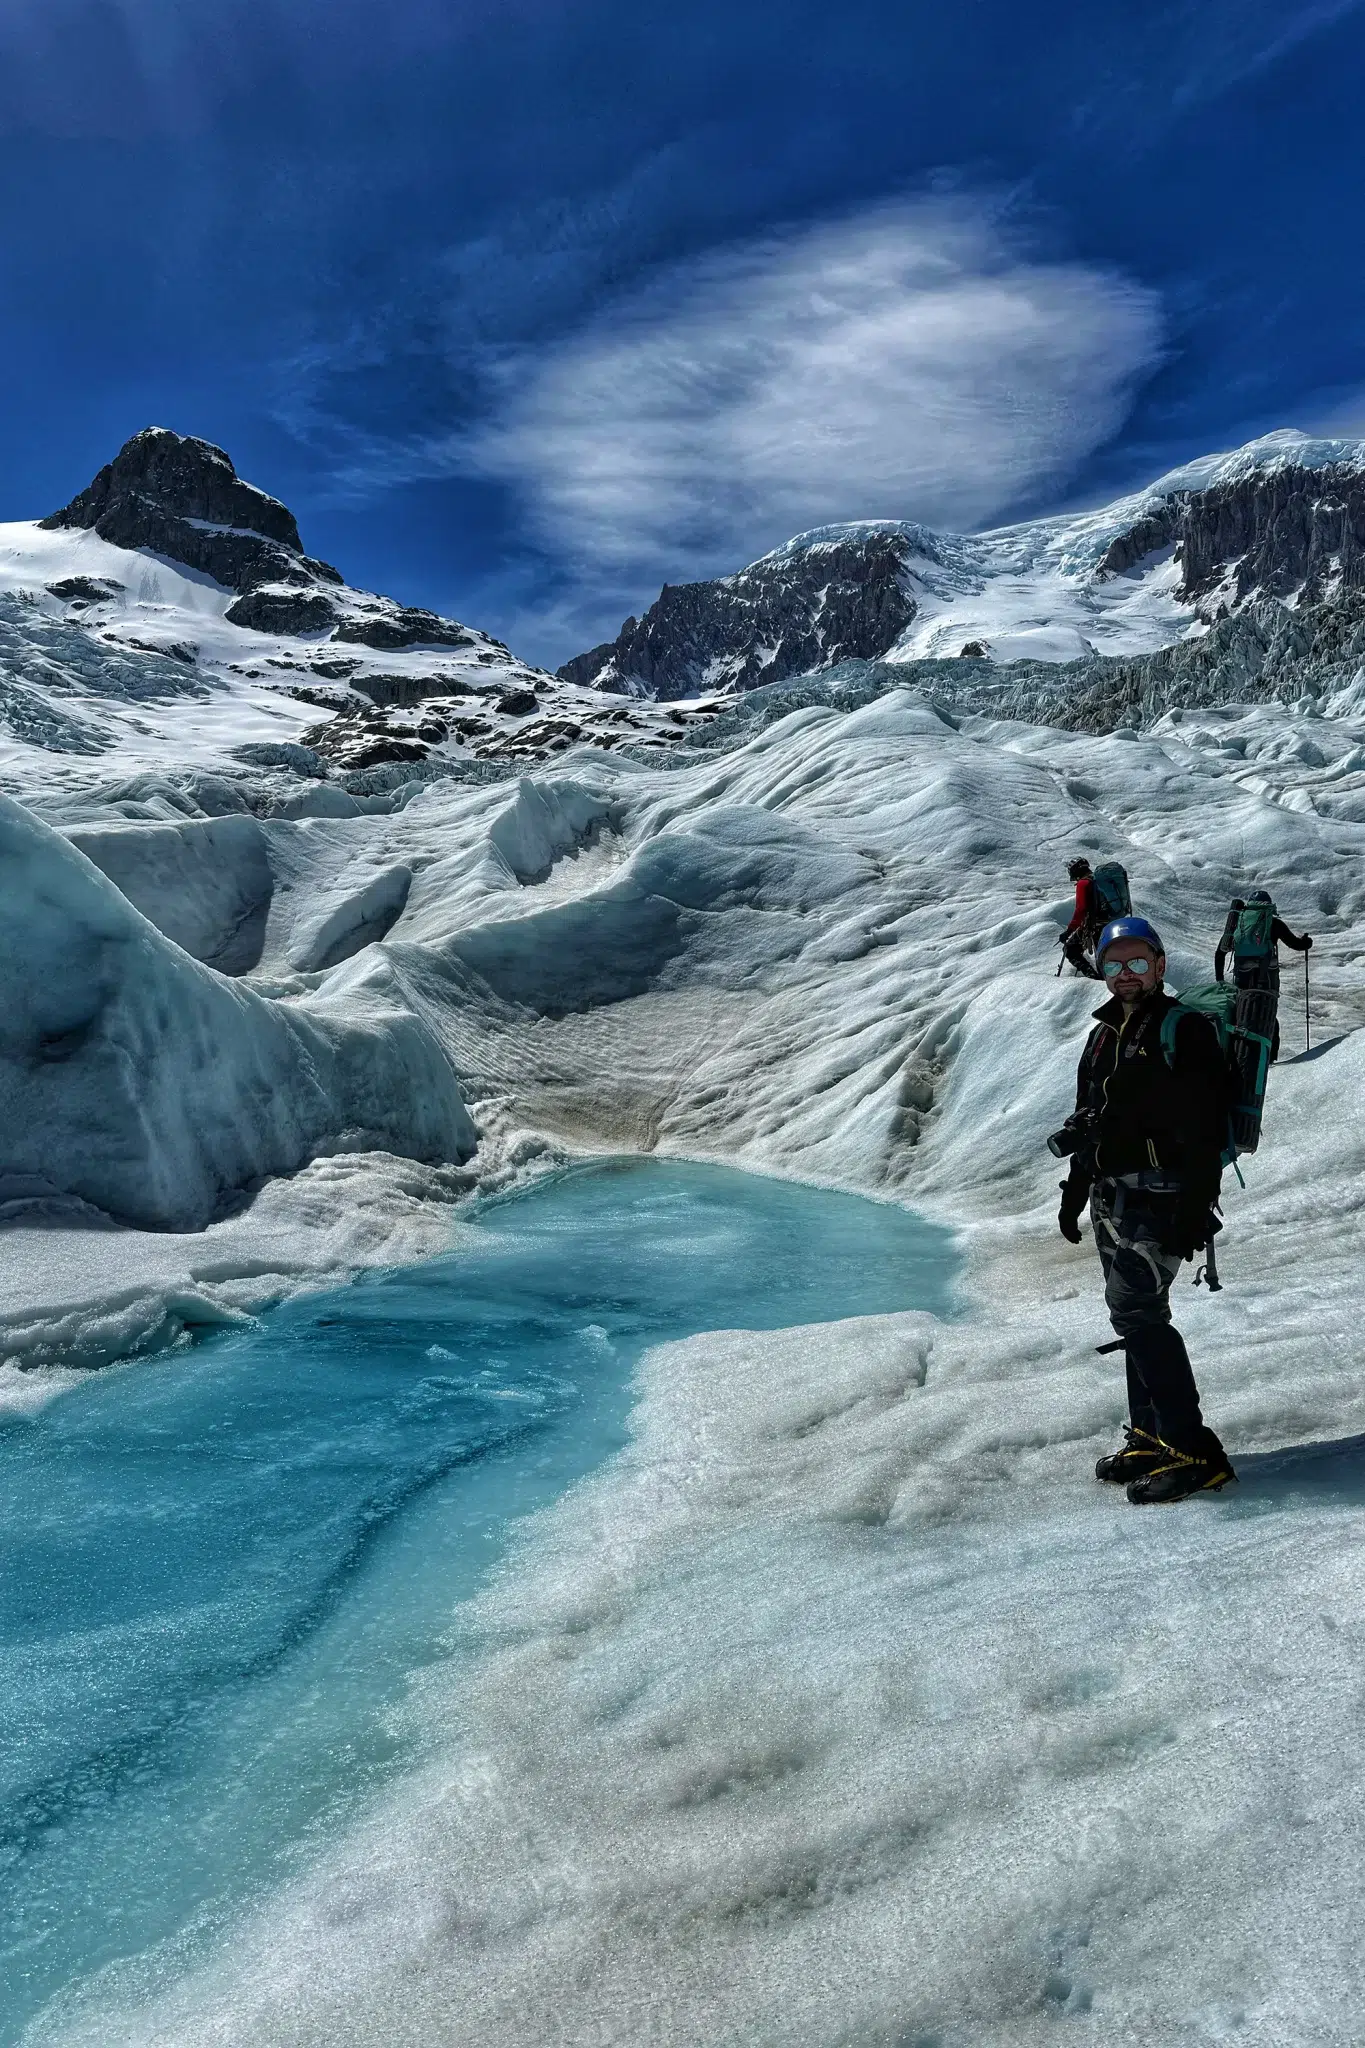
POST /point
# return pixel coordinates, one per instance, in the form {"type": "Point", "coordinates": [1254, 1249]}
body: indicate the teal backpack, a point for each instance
{"type": "Point", "coordinates": [1246, 1052]}
{"type": "Point", "coordinates": [1112, 896]}
{"type": "Point", "coordinates": [1252, 934]}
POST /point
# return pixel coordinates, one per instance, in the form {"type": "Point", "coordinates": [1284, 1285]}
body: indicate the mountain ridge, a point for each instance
{"type": "Point", "coordinates": [168, 619]}
{"type": "Point", "coordinates": [1282, 517]}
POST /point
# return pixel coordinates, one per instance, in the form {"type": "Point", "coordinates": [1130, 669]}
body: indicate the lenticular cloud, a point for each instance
{"type": "Point", "coordinates": [907, 362]}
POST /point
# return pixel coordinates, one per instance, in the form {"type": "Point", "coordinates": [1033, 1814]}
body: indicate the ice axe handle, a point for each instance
{"type": "Point", "coordinates": [1208, 1272]}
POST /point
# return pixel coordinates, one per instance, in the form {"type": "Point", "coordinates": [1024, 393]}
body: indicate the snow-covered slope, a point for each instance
{"type": "Point", "coordinates": [140, 636]}
{"type": "Point", "coordinates": [843, 1706]}
{"type": "Point", "coordinates": [1283, 517]}
{"type": "Point", "coordinates": [1150, 568]}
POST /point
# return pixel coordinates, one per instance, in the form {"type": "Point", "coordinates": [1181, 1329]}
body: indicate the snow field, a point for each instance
{"type": "Point", "coordinates": [801, 956]}
{"type": "Point", "coordinates": [1035, 591]}
{"type": "Point", "coordinates": [844, 1707]}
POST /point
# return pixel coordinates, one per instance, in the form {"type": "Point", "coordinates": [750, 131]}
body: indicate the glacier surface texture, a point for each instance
{"type": "Point", "coordinates": [837, 1705]}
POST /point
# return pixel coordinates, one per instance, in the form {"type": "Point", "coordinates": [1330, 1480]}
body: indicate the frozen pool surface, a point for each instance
{"type": "Point", "coordinates": [223, 1567]}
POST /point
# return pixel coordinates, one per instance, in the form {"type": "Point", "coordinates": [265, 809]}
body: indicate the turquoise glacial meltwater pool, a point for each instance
{"type": "Point", "coordinates": [223, 1568]}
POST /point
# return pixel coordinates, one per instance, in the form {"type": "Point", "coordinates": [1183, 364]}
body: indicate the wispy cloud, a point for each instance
{"type": "Point", "coordinates": [909, 361]}
{"type": "Point", "coordinates": [1218, 48]}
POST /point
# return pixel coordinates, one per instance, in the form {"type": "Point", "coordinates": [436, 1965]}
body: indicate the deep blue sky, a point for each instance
{"type": "Point", "coordinates": [525, 305]}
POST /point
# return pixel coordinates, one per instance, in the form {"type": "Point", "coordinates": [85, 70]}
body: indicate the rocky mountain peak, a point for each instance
{"type": "Point", "coordinates": [1281, 519]}
{"type": "Point", "coordinates": [179, 496]}
{"type": "Point", "coordinates": [183, 476]}
{"type": "Point", "coordinates": [805, 607]}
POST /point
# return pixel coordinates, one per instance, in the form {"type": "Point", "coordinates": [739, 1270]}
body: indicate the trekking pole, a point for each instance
{"type": "Point", "coordinates": [1307, 1033]}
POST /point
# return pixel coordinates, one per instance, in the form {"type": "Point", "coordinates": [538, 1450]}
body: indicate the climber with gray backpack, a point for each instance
{"type": "Point", "coordinates": [1101, 896]}
{"type": "Point", "coordinates": [1147, 1142]}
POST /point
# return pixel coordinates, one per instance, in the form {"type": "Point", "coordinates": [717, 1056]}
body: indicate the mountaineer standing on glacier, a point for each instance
{"type": "Point", "coordinates": [1146, 1142]}
{"type": "Point", "coordinates": [1081, 933]}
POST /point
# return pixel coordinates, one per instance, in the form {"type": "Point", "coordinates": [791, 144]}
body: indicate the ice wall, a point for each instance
{"type": "Point", "coordinates": [204, 882]}
{"type": "Point", "coordinates": [145, 1083]}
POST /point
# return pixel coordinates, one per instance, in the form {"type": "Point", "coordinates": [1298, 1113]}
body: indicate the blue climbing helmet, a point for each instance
{"type": "Point", "coordinates": [1128, 928]}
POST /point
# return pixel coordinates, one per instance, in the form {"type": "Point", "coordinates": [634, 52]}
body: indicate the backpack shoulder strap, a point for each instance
{"type": "Point", "coordinates": [1170, 1024]}
{"type": "Point", "coordinates": [1172, 1021]}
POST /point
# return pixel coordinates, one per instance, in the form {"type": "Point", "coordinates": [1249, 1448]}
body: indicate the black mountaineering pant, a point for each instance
{"type": "Point", "coordinates": [1076, 946]}
{"type": "Point", "coordinates": [1128, 1218]}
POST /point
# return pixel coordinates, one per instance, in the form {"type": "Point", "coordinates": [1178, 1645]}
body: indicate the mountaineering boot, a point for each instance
{"type": "Point", "coordinates": [1180, 1475]}
{"type": "Point", "coordinates": [1140, 1455]}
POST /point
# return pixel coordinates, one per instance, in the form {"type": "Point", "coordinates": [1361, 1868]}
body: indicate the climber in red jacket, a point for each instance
{"type": "Point", "coordinates": [1078, 940]}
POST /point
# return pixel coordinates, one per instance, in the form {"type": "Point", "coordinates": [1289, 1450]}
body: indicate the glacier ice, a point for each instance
{"type": "Point", "coordinates": [840, 1707]}
{"type": "Point", "coordinates": [206, 884]}
{"type": "Point", "coordinates": [138, 1080]}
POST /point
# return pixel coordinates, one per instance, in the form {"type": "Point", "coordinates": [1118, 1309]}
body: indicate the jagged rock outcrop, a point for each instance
{"type": "Point", "coordinates": [283, 608]}
{"type": "Point", "coordinates": [1278, 533]}
{"type": "Point", "coordinates": [1281, 519]}
{"type": "Point", "coordinates": [389, 626]}
{"type": "Point", "coordinates": [182, 497]}
{"type": "Point", "coordinates": [376, 622]}
{"type": "Point", "coordinates": [80, 591]}
{"type": "Point", "coordinates": [801, 609]}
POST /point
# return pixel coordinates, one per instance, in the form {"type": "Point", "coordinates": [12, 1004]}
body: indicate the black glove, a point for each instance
{"type": "Point", "coordinates": [1190, 1227]}
{"type": "Point", "coordinates": [1308, 942]}
{"type": "Point", "coordinates": [1074, 1195]}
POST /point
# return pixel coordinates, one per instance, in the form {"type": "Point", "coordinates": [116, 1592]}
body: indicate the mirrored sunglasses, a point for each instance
{"type": "Point", "coordinates": [1139, 965]}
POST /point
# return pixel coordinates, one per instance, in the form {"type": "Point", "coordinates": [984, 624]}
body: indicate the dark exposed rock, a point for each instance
{"type": "Point", "coordinates": [366, 742]}
{"type": "Point", "coordinates": [181, 497]}
{"type": "Point", "coordinates": [1295, 530]}
{"type": "Point", "coordinates": [1145, 537]}
{"type": "Point", "coordinates": [1271, 533]}
{"type": "Point", "coordinates": [369, 753]}
{"type": "Point", "coordinates": [283, 608]}
{"type": "Point", "coordinates": [187, 478]}
{"type": "Point", "coordinates": [403, 626]}
{"type": "Point", "coordinates": [174, 650]}
{"type": "Point", "coordinates": [388, 688]}
{"type": "Point", "coordinates": [86, 589]}
{"type": "Point", "coordinates": [518, 703]}
{"type": "Point", "coordinates": [546, 736]}
{"type": "Point", "coordinates": [790, 614]}
{"type": "Point", "coordinates": [975, 650]}
{"type": "Point", "coordinates": [390, 749]}
{"type": "Point", "coordinates": [324, 699]}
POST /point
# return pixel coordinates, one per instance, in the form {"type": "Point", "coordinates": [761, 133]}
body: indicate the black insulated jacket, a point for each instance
{"type": "Point", "coordinates": [1148, 1113]}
